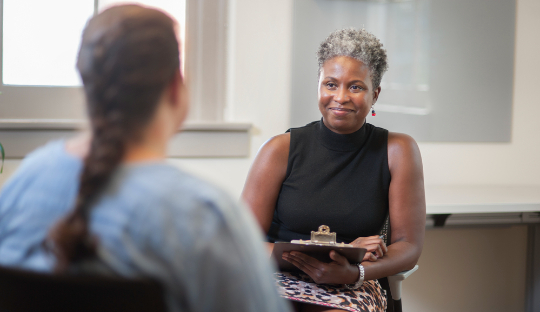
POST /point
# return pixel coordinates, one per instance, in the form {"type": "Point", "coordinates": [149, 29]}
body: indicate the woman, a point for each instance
{"type": "Point", "coordinates": [108, 201]}
{"type": "Point", "coordinates": [344, 173]}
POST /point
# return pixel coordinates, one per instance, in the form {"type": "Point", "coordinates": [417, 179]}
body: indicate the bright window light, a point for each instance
{"type": "Point", "coordinates": [41, 40]}
{"type": "Point", "coordinates": [175, 8]}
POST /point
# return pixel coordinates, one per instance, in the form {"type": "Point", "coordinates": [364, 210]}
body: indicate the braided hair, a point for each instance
{"type": "Point", "coordinates": [128, 56]}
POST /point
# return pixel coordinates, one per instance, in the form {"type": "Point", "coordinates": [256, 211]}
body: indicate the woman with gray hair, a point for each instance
{"type": "Point", "coordinates": [345, 173]}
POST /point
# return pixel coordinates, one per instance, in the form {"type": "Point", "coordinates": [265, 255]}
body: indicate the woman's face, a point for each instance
{"type": "Point", "coordinates": [346, 94]}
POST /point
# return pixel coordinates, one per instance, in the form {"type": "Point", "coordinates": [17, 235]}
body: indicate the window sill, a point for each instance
{"type": "Point", "coordinates": [197, 139]}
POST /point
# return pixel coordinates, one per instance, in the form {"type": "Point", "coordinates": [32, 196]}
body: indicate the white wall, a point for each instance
{"type": "Point", "coordinates": [259, 83]}
{"type": "Point", "coordinates": [512, 163]}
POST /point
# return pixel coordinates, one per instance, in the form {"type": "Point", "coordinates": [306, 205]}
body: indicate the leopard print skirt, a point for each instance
{"type": "Point", "coordinates": [297, 286]}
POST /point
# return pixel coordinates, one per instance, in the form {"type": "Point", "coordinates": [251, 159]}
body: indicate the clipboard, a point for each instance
{"type": "Point", "coordinates": [320, 252]}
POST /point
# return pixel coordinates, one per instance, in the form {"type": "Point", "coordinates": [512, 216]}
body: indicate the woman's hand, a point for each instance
{"type": "Point", "coordinates": [339, 271]}
{"type": "Point", "coordinates": [376, 248]}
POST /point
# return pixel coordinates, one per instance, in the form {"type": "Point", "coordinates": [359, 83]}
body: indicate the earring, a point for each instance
{"type": "Point", "coordinates": [373, 112]}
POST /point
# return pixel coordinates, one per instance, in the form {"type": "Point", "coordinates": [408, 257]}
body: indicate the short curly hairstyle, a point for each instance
{"type": "Point", "coordinates": [358, 44]}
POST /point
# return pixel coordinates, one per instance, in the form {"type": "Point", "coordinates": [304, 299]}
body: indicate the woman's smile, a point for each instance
{"type": "Point", "coordinates": [341, 111]}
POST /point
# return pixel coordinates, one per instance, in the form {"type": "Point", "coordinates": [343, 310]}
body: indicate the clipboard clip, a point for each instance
{"type": "Point", "coordinates": [322, 237]}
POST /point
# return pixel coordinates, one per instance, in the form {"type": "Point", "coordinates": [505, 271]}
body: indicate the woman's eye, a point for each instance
{"type": "Point", "coordinates": [356, 88]}
{"type": "Point", "coordinates": [330, 85]}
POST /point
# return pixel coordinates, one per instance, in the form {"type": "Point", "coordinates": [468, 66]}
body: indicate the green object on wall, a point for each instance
{"type": "Point", "coordinates": [3, 155]}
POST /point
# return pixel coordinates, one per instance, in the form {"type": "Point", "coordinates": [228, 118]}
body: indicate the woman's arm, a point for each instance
{"type": "Point", "coordinates": [407, 209]}
{"type": "Point", "coordinates": [265, 177]}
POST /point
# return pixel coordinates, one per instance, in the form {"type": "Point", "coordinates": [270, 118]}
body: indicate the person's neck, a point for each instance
{"type": "Point", "coordinates": [145, 152]}
{"type": "Point", "coordinates": [154, 139]}
{"type": "Point", "coordinates": [151, 147]}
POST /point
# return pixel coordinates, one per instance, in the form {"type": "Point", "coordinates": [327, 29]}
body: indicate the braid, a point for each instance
{"type": "Point", "coordinates": [128, 55]}
{"type": "Point", "coordinates": [72, 241]}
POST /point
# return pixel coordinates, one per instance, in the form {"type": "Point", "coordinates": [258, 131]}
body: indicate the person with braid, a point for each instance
{"type": "Point", "coordinates": [108, 203]}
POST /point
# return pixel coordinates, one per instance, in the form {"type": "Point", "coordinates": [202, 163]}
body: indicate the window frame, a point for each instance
{"type": "Point", "coordinates": [205, 134]}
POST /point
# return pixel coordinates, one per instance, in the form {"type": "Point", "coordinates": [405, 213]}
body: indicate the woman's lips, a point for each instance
{"type": "Point", "coordinates": [340, 112]}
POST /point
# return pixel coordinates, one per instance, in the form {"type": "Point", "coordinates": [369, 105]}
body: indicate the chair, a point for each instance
{"type": "Point", "coordinates": [392, 284]}
{"type": "Point", "coordinates": [24, 291]}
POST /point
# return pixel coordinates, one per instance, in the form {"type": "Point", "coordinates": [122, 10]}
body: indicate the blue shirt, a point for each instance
{"type": "Point", "coordinates": [152, 220]}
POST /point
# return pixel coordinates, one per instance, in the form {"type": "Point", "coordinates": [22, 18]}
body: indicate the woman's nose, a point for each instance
{"type": "Point", "coordinates": [341, 96]}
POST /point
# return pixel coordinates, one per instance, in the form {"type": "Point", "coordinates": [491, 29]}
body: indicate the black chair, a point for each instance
{"type": "Point", "coordinates": [392, 284]}
{"type": "Point", "coordinates": [25, 291]}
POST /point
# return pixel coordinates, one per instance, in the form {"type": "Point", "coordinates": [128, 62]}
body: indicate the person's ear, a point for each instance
{"type": "Point", "coordinates": [376, 93]}
{"type": "Point", "coordinates": [175, 89]}
{"type": "Point", "coordinates": [178, 99]}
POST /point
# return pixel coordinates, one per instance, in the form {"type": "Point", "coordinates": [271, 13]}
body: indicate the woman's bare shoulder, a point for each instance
{"type": "Point", "coordinates": [277, 146]}
{"type": "Point", "coordinates": [400, 140]}
{"type": "Point", "coordinates": [402, 148]}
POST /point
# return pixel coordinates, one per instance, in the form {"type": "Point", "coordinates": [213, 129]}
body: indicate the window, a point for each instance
{"type": "Point", "coordinates": [406, 85]}
{"type": "Point", "coordinates": [40, 93]}
{"type": "Point", "coordinates": [43, 52]}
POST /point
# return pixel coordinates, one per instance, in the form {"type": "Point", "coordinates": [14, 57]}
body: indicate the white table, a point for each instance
{"type": "Point", "coordinates": [451, 206]}
{"type": "Point", "coordinates": [482, 199]}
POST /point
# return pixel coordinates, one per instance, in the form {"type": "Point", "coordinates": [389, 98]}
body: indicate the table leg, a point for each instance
{"type": "Point", "coordinates": [532, 288]}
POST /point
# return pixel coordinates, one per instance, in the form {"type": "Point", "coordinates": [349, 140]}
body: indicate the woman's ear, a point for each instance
{"type": "Point", "coordinates": [376, 93]}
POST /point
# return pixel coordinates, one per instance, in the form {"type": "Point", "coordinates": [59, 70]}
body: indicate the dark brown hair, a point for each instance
{"type": "Point", "coordinates": [128, 56]}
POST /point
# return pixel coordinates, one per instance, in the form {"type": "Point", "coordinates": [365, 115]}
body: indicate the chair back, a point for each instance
{"type": "Point", "coordinates": [24, 291]}
{"type": "Point", "coordinates": [386, 232]}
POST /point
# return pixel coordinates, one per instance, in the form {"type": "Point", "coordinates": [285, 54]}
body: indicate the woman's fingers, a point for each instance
{"type": "Point", "coordinates": [308, 265]}
{"type": "Point", "coordinates": [358, 242]}
{"type": "Point", "coordinates": [338, 258]}
{"type": "Point", "coordinates": [379, 251]}
{"type": "Point", "coordinates": [372, 244]}
{"type": "Point", "coordinates": [333, 272]}
{"type": "Point", "coordinates": [369, 257]}
{"type": "Point", "coordinates": [302, 261]}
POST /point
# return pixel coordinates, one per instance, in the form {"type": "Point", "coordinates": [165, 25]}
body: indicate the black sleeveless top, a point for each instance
{"type": "Point", "coordinates": [338, 180]}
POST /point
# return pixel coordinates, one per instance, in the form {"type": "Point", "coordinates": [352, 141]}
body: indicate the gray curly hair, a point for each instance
{"type": "Point", "coordinates": [358, 44]}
